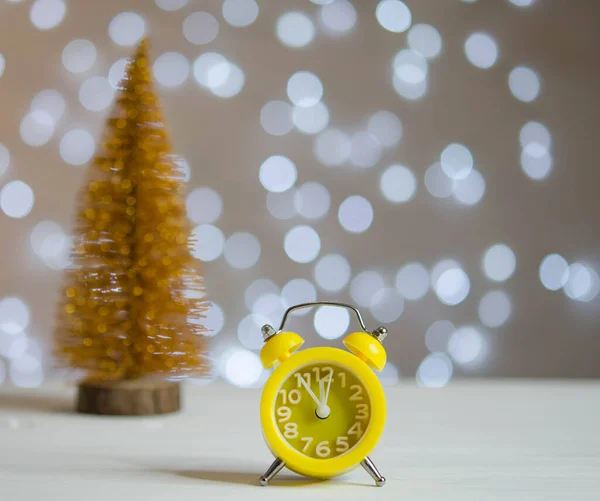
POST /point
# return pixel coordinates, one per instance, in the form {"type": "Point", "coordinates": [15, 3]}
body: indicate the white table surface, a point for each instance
{"type": "Point", "coordinates": [517, 440]}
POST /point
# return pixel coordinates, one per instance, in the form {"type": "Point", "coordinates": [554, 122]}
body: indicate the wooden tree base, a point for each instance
{"type": "Point", "coordinates": [128, 398]}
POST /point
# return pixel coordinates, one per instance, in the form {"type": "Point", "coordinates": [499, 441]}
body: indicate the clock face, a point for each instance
{"type": "Point", "coordinates": [322, 410]}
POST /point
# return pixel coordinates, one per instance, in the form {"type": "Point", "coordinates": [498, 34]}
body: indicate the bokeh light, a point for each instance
{"type": "Point", "coordinates": [499, 262]}
{"type": "Point", "coordinates": [200, 28]}
{"type": "Point", "coordinates": [298, 291]}
{"type": "Point", "coordinates": [450, 282]}
{"type": "Point", "coordinates": [495, 308]}
{"type": "Point", "coordinates": [79, 56]}
{"type": "Point", "coordinates": [481, 50]}
{"type": "Point", "coordinates": [522, 3]}
{"type": "Point", "coordinates": [554, 272]}
{"type": "Point", "coordinates": [332, 147]}
{"type": "Point", "coordinates": [410, 67]}
{"type": "Point", "coordinates": [304, 89]}
{"type": "Point", "coordinates": [49, 101]}
{"type": "Point", "coordinates": [171, 5]}
{"type": "Point", "coordinates": [242, 250]}
{"type": "Point", "coordinates": [310, 119]}
{"type": "Point", "coordinates": [365, 286]}
{"type": "Point", "coordinates": [302, 244]}
{"type": "Point", "coordinates": [411, 91]}
{"type": "Point", "coordinates": [412, 281]}
{"type": "Point", "coordinates": [312, 200]}
{"type": "Point", "coordinates": [338, 17]}
{"type": "Point", "coordinates": [277, 173]}
{"type": "Point", "coordinates": [426, 40]}
{"type": "Point", "coordinates": [249, 333]}
{"type": "Point", "coordinates": [524, 83]}
{"type": "Point", "coordinates": [14, 315]}
{"type": "Point", "coordinates": [365, 149]}
{"type": "Point", "coordinates": [438, 184]}
{"type": "Point", "coordinates": [214, 72]}
{"type": "Point", "coordinates": [259, 287]}
{"type": "Point", "coordinates": [456, 161]}
{"type": "Point", "coordinates": [438, 334]}
{"type": "Point", "coordinates": [276, 118]}
{"type": "Point", "coordinates": [282, 205]}
{"type": "Point", "coordinates": [2, 64]}
{"type": "Point", "coordinates": [209, 242]}
{"type": "Point", "coordinates": [393, 15]}
{"type": "Point", "coordinates": [355, 214]}
{"type": "Point", "coordinates": [96, 93]}
{"type": "Point", "coordinates": [240, 13]}
{"type": "Point", "coordinates": [116, 73]}
{"type": "Point", "coordinates": [16, 199]}
{"type": "Point", "coordinates": [387, 305]}
{"type": "Point", "coordinates": [242, 367]}
{"type": "Point", "coordinates": [386, 128]}
{"type": "Point", "coordinates": [535, 138]}
{"type": "Point", "coordinates": [536, 162]}
{"type": "Point", "coordinates": [332, 272]}
{"type": "Point", "coordinates": [37, 127]}
{"type": "Point", "coordinates": [467, 346]}
{"type": "Point", "coordinates": [435, 371]}
{"type": "Point", "coordinates": [331, 322]}
{"type": "Point", "coordinates": [47, 14]}
{"type": "Point", "coordinates": [214, 321]}
{"type": "Point", "coordinates": [171, 69]}
{"type": "Point", "coordinates": [127, 28]}
{"type": "Point", "coordinates": [398, 184]}
{"type": "Point", "coordinates": [583, 283]}
{"type": "Point", "coordinates": [77, 147]}
{"type": "Point", "coordinates": [470, 190]}
{"type": "Point", "coordinates": [4, 159]}
{"type": "Point", "coordinates": [204, 205]}
{"type": "Point", "coordinates": [295, 29]}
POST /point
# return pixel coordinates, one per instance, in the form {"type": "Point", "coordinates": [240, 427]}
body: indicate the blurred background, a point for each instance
{"type": "Point", "coordinates": [430, 162]}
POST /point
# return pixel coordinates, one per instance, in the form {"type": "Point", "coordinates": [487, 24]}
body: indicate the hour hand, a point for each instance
{"type": "Point", "coordinates": [310, 392]}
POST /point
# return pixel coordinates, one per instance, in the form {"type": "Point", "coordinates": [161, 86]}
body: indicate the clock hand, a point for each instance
{"type": "Point", "coordinates": [310, 392]}
{"type": "Point", "coordinates": [328, 388]}
{"type": "Point", "coordinates": [323, 409]}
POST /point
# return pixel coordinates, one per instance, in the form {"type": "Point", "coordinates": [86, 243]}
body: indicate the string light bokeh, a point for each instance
{"type": "Point", "coordinates": [432, 163]}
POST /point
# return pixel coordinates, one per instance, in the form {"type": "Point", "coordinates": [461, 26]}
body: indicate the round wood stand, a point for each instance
{"type": "Point", "coordinates": [128, 398]}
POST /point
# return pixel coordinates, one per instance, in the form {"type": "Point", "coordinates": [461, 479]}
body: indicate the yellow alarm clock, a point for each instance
{"type": "Point", "coordinates": [322, 409]}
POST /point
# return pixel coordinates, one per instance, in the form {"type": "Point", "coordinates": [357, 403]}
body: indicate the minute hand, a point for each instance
{"type": "Point", "coordinates": [310, 392]}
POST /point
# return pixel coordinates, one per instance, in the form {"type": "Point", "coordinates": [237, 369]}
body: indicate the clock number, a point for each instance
{"type": "Point", "coordinates": [284, 414]}
{"type": "Point", "coordinates": [355, 429]}
{"type": "Point", "coordinates": [342, 444]}
{"type": "Point", "coordinates": [317, 371]}
{"type": "Point", "coordinates": [342, 378]}
{"type": "Point", "coordinates": [294, 396]}
{"type": "Point", "coordinates": [305, 376]}
{"type": "Point", "coordinates": [362, 411]}
{"type": "Point", "coordinates": [329, 375]}
{"type": "Point", "coordinates": [323, 449]}
{"type": "Point", "coordinates": [283, 394]}
{"type": "Point", "coordinates": [357, 395]}
{"type": "Point", "coordinates": [308, 441]}
{"type": "Point", "coordinates": [290, 430]}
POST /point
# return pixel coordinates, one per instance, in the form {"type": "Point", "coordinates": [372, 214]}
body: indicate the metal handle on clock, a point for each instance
{"type": "Point", "coordinates": [380, 333]}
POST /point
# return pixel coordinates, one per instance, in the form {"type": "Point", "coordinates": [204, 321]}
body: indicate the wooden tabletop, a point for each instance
{"type": "Point", "coordinates": [483, 441]}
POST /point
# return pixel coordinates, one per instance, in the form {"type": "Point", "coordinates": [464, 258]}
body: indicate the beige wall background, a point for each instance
{"type": "Point", "coordinates": [547, 334]}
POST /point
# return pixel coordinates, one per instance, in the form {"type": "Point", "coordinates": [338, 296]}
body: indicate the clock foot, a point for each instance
{"type": "Point", "coordinates": [273, 470]}
{"type": "Point", "coordinates": [372, 470]}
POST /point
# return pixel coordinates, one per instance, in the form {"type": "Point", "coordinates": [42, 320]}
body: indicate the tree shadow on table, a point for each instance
{"type": "Point", "coordinates": [39, 403]}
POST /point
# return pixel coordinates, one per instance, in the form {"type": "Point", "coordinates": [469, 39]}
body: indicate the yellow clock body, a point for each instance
{"type": "Point", "coordinates": [323, 410]}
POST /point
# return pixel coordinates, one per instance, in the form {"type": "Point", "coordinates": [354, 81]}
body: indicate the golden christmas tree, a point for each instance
{"type": "Point", "coordinates": [134, 298]}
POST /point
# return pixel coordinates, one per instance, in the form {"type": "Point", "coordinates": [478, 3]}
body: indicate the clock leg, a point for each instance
{"type": "Point", "coordinates": [273, 470]}
{"type": "Point", "coordinates": [372, 470]}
